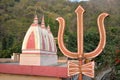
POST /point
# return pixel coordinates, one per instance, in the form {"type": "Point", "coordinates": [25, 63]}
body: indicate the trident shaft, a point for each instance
{"type": "Point", "coordinates": [80, 55]}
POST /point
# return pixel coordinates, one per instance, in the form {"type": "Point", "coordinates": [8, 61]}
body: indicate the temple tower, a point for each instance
{"type": "Point", "coordinates": [38, 46]}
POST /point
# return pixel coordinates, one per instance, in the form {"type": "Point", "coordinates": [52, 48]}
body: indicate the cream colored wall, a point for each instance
{"type": "Point", "coordinates": [30, 59]}
{"type": "Point", "coordinates": [23, 77]}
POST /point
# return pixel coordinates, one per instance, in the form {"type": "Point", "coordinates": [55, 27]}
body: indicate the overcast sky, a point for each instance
{"type": "Point", "coordinates": [78, 0]}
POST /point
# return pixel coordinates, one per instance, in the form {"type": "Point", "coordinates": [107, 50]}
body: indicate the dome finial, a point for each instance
{"type": "Point", "coordinates": [43, 22]}
{"type": "Point", "coordinates": [48, 28]}
{"type": "Point", "coordinates": [35, 18]}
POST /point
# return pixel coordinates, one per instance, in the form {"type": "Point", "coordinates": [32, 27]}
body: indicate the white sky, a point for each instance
{"type": "Point", "coordinates": [78, 0]}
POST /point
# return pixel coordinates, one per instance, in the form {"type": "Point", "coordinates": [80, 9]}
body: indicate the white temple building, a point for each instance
{"type": "Point", "coordinates": [38, 46]}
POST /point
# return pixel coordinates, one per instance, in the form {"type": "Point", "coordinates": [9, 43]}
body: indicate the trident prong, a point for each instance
{"type": "Point", "coordinates": [102, 42]}
{"type": "Point", "coordinates": [61, 41]}
{"type": "Point", "coordinates": [79, 11]}
{"type": "Point", "coordinates": [79, 54]}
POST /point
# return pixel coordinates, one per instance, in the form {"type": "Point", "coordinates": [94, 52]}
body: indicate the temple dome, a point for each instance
{"type": "Point", "coordinates": [39, 39]}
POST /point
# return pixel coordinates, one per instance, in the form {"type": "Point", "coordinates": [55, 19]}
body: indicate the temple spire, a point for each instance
{"type": "Point", "coordinates": [35, 19]}
{"type": "Point", "coordinates": [43, 22]}
{"type": "Point", "coordinates": [48, 28]}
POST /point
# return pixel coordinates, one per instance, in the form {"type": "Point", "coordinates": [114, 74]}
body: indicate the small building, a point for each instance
{"type": "Point", "coordinates": [38, 46]}
{"type": "Point", "coordinates": [38, 58]}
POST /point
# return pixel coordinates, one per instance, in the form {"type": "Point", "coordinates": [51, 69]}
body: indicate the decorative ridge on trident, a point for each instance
{"type": "Point", "coordinates": [80, 67]}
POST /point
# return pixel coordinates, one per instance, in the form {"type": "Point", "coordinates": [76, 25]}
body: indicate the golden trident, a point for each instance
{"type": "Point", "coordinates": [82, 68]}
